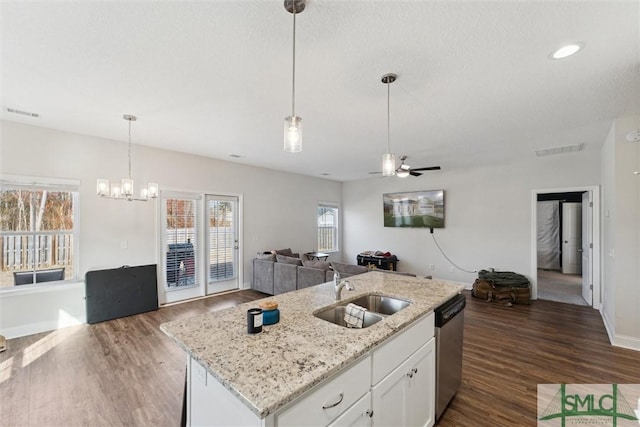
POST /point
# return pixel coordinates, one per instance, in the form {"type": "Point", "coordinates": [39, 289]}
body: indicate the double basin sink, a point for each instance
{"type": "Point", "coordinates": [378, 306]}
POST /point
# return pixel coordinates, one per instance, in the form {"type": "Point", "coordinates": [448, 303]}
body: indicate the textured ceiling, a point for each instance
{"type": "Point", "coordinates": [475, 83]}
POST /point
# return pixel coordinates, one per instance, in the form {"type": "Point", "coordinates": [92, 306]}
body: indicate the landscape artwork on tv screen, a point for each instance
{"type": "Point", "coordinates": [418, 209]}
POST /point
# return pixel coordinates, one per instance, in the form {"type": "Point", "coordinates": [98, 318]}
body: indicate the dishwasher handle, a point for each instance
{"type": "Point", "coordinates": [449, 310]}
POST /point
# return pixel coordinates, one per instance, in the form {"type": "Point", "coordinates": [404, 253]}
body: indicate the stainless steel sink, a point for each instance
{"type": "Point", "coordinates": [335, 315]}
{"type": "Point", "coordinates": [381, 304]}
{"type": "Point", "coordinates": [378, 307]}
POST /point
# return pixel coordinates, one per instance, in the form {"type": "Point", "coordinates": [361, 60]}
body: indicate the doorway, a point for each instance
{"type": "Point", "coordinates": [565, 245]}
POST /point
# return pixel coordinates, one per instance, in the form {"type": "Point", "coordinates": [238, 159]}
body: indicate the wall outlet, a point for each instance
{"type": "Point", "coordinates": [432, 267]}
{"type": "Point", "coordinates": [124, 244]}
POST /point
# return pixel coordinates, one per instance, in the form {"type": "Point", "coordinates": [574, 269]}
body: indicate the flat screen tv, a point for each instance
{"type": "Point", "coordinates": [418, 209]}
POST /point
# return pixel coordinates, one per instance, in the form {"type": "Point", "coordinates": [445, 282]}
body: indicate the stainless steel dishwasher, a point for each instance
{"type": "Point", "coordinates": [449, 328]}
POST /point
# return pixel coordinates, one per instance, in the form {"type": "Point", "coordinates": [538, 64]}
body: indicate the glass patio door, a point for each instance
{"type": "Point", "coordinates": [222, 243]}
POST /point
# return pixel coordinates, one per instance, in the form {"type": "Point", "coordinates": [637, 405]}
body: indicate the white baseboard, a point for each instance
{"type": "Point", "coordinates": [36, 328]}
{"type": "Point", "coordinates": [632, 343]}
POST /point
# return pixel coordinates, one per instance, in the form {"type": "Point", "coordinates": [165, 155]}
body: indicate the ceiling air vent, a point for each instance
{"type": "Point", "coordinates": [23, 113]}
{"type": "Point", "coordinates": [559, 150]}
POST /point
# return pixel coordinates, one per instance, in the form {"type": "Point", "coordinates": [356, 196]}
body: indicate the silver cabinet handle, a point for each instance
{"type": "Point", "coordinates": [333, 405]}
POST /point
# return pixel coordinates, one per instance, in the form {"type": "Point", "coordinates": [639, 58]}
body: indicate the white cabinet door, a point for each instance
{"type": "Point", "coordinates": [406, 397]}
{"type": "Point", "coordinates": [359, 415]}
{"type": "Point", "coordinates": [421, 393]}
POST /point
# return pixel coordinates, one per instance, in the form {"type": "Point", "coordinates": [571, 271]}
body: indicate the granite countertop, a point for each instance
{"type": "Point", "coordinates": [268, 370]}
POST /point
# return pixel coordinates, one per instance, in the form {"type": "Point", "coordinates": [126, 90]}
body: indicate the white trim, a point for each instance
{"type": "Point", "coordinates": [38, 181]}
{"type": "Point", "coordinates": [38, 288]}
{"type": "Point", "coordinates": [597, 261]}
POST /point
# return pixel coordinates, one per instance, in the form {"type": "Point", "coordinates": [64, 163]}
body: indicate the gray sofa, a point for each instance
{"type": "Point", "coordinates": [276, 272]}
{"type": "Point", "coordinates": [277, 276]}
{"type": "Point", "coordinates": [279, 271]}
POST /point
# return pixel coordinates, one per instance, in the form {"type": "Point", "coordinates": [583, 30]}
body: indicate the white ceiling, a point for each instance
{"type": "Point", "coordinates": [475, 83]}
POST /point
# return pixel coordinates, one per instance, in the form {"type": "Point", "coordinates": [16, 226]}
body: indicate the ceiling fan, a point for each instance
{"type": "Point", "coordinates": [405, 170]}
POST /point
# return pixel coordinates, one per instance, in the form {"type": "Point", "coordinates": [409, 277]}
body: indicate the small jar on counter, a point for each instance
{"type": "Point", "coordinates": [270, 312]}
{"type": "Point", "coordinates": [254, 320]}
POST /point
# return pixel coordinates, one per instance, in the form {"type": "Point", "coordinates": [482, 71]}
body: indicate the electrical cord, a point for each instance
{"type": "Point", "coordinates": [449, 259]}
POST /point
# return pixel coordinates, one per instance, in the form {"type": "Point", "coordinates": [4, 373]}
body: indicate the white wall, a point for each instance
{"type": "Point", "coordinates": [621, 234]}
{"type": "Point", "coordinates": [279, 208]}
{"type": "Point", "coordinates": [487, 214]}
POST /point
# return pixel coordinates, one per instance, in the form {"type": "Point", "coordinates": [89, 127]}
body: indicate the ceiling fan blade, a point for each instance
{"type": "Point", "coordinates": [414, 173]}
{"type": "Point", "coordinates": [430, 168]}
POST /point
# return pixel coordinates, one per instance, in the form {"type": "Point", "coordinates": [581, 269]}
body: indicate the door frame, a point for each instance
{"type": "Point", "coordinates": [199, 291]}
{"type": "Point", "coordinates": [595, 233]}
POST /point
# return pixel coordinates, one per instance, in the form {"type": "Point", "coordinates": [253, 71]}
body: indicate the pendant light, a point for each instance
{"type": "Point", "coordinates": [126, 190]}
{"type": "Point", "coordinates": [388, 158]}
{"type": "Point", "coordinates": [293, 123]}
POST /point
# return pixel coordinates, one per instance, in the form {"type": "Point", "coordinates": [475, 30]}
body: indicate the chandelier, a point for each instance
{"type": "Point", "coordinates": [125, 189]}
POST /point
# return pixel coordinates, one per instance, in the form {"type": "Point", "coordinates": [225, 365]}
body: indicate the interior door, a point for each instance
{"type": "Point", "coordinates": [222, 243]}
{"type": "Point", "coordinates": [587, 247]}
{"type": "Point", "coordinates": [571, 238]}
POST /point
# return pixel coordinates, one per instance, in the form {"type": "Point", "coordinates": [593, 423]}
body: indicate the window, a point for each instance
{"type": "Point", "coordinates": [327, 228]}
{"type": "Point", "coordinates": [38, 233]}
{"type": "Point", "coordinates": [181, 241]}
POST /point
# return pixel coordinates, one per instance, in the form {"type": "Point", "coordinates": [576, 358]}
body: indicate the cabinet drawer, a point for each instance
{"type": "Point", "coordinates": [337, 394]}
{"type": "Point", "coordinates": [392, 353]}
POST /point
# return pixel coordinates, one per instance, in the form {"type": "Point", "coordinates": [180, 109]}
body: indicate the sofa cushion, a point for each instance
{"type": "Point", "coordinates": [266, 256]}
{"type": "Point", "coordinates": [350, 269]}
{"type": "Point", "coordinates": [285, 252]}
{"type": "Point", "coordinates": [288, 260]}
{"type": "Point", "coordinates": [323, 265]}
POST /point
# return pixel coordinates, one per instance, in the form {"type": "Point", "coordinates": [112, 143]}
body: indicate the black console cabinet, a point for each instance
{"type": "Point", "coordinates": [381, 262]}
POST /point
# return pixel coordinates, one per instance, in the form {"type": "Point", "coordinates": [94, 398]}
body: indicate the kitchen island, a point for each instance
{"type": "Point", "coordinates": [270, 378]}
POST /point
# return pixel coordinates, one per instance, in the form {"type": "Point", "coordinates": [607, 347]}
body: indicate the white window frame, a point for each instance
{"type": "Point", "coordinates": [336, 239]}
{"type": "Point", "coordinates": [33, 183]}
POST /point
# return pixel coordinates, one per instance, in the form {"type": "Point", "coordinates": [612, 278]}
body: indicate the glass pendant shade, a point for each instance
{"type": "Point", "coordinates": [127, 187]}
{"type": "Point", "coordinates": [152, 190]}
{"type": "Point", "coordinates": [293, 134]}
{"type": "Point", "coordinates": [115, 191]}
{"type": "Point", "coordinates": [388, 164]}
{"type": "Point", "coordinates": [102, 187]}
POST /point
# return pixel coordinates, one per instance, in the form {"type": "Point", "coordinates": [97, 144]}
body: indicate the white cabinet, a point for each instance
{"type": "Point", "coordinates": [406, 397]}
{"type": "Point", "coordinates": [359, 415]}
{"type": "Point", "coordinates": [392, 385]}
{"type": "Point", "coordinates": [322, 405]}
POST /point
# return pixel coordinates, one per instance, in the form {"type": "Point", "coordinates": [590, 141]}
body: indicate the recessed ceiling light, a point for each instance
{"type": "Point", "coordinates": [567, 50]}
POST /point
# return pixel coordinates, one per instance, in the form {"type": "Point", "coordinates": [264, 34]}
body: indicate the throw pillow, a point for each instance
{"type": "Point", "coordinates": [342, 267]}
{"type": "Point", "coordinates": [285, 252]}
{"type": "Point", "coordinates": [323, 265]}
{"type": "Point", "coordinates": [289, 260]}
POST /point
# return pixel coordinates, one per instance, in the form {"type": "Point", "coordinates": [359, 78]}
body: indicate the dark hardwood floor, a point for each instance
{"type": "Point", "coordinates": [126, 372]}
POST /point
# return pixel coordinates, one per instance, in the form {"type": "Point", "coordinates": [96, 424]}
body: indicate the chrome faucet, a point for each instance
{"type": "Point", "coordinates": [339, 285]}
